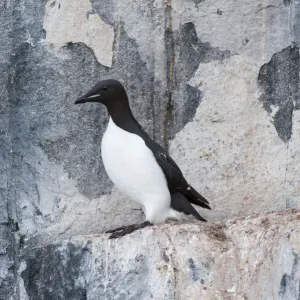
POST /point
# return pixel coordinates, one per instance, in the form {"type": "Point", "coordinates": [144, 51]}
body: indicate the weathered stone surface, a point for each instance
{"type": "Point", "coordinates": [215, 82]}
{"type": "Point", "coordinates": [279, 80]}
{"type": "Point", "coordinates": [198, 85]}
{"type": "Point", "coordinates": [242, 142]}
{"type": "Point", "coordinates": [7, 279]}
{"type": "Point", "coordinates": [71, 21]}
{"type": "Point", "coordinates": [57, 163]}
{"type": "Point", "coordinates": [252, 258]}
{"type": "Point", "coordinates": [70, 263]}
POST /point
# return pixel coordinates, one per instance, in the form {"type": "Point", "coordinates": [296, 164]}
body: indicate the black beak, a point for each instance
{"type": "Point", "coordinates": [87, 98]}
{"type": "Point", "coordinates": [80, 100]}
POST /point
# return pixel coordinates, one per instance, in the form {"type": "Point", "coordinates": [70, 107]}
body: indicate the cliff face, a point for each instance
{"type": "Point", "coordinates": [254, 258]}
{"type": "Point", "coordinates": [215, 83]}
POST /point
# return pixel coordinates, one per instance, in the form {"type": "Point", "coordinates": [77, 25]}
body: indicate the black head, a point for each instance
{"type": "Point", "coordinates": [106, 92]}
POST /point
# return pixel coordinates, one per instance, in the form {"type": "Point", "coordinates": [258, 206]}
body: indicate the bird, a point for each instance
{"type": "Point", "coordinates": [138, 166]}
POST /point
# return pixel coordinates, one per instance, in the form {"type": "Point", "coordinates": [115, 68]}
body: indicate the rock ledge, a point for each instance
{"type": "Point", "coordinates": [256, 257]}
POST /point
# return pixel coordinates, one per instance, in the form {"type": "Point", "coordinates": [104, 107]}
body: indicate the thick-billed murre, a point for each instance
{"type": "Point", "coordinates": [138, 166]}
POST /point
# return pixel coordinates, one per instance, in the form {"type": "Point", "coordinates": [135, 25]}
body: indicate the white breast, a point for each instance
{"type": "Point", "coordinates": [132, 167]}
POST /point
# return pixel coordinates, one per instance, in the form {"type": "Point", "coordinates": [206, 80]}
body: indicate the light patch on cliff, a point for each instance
{"type": "Point", "coordinates": [69, 21]}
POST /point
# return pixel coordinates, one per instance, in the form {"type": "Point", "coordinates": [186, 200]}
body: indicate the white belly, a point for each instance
{"type": "Point", "coordinates": [132, 167]}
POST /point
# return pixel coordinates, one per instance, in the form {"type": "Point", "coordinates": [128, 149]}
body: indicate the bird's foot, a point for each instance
{"type": "Point", "coordinates": [123, 230]}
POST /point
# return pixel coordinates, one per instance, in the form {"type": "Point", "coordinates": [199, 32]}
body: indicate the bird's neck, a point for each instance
{"type": "Point", "coordinates": [120, 113]}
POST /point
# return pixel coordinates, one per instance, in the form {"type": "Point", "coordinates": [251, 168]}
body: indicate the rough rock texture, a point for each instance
{"type": "Point", "coordinates": [215, 82]}
{"type": "Point", "coordinates": [253, 258]}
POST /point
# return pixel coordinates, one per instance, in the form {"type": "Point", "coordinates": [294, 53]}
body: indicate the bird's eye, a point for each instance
{"type": "Point", "coordinates": [104, 88]}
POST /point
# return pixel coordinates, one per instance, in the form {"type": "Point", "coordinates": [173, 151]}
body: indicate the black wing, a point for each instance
{"type": "Point", "coordinates": [175, 179]}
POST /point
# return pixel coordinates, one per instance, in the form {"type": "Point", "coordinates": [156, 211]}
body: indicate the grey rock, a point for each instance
{"type": "Point", "coordinates": [190, 52]}
{"type": "Point", "coordinates": [105, 9]}
{"type": "Point", "coordinates": [7, 276]}
{"type": "Point", "coordinates": [252, 258]}
{"type": "Point", "coordinates": [191, 73]}
{"type": "Point", "coordinates": [279, 80]}
{"type": "Point", "coordinates": [68, 282]}
{"type": "Point", "coordinates": [295, 19]}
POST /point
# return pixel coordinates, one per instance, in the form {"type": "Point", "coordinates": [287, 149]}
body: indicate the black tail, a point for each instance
{"type": "Point", "coordinates": [180, 203]}
{"type": "Point", "coordinates": [195, 198]}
